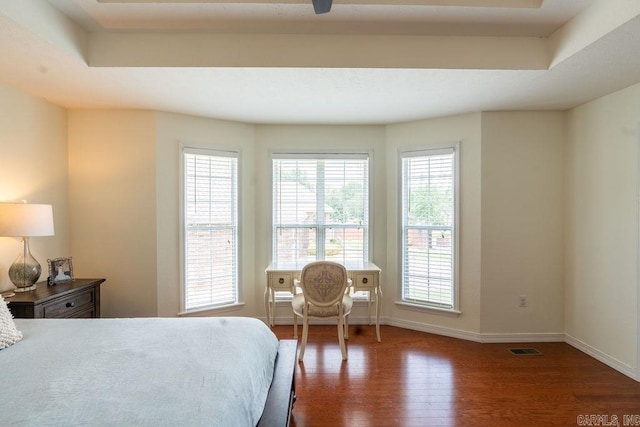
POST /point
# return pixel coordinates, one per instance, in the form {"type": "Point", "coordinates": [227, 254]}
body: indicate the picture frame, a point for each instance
{"type": "Point", "coordinates": [60, 270]}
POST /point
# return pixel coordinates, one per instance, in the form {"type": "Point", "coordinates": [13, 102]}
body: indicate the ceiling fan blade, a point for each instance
{"type": "Point", "coordinates": [322, 6]}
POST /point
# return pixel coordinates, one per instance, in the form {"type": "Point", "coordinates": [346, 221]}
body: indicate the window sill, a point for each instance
{"type": "Point", "coordinates": [449, 312]}
{"type": "Point", "coordinates": [212, 310]}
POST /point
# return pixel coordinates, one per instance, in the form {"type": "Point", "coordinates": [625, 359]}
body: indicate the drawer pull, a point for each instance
{"type": "Point", "coordinates": [71, 304]}
{"type": "Point", "coordinates": [281, 280]}
{"type": "Point", "coordinates": [365, 280]}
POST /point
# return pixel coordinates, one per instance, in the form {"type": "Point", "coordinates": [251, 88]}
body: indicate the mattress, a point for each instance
{"type": "Point", "coordinates": [137, 372]}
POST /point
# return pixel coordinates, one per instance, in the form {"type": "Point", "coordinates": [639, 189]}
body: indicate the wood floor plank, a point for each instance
{"type": "Point", "coordinates": [418, 379]}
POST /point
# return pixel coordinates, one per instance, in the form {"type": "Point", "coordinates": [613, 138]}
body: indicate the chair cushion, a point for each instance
{"type": "Point", "coordinates": [298, 303]}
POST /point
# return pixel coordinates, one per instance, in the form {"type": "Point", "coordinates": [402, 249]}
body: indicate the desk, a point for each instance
{"type": "Point", "coordinates": [364, 277]}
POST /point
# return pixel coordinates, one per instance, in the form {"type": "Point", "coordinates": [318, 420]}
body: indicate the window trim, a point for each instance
{"type": "Point", "coordinates": [418, 151]}
{"type": "Point", "coordinates": [321, 154]}
{"type": "Point", "coordinates": [220, 151]}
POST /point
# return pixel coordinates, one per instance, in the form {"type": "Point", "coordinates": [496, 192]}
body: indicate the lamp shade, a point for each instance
{"type": "Point", "coordinates": [25, 220]}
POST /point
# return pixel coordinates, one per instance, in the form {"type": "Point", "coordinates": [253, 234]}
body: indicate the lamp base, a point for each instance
{"type": "Point", "coordinates": [25, 271]}
{"type": "Point", "coordinates": [29, 288]}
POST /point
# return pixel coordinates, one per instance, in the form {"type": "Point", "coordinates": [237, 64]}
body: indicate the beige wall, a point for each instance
{"type": "Point", "coordinates": [112, 193]}
{"type": "Point", "coordinates": [172, 131]}
{"type": "Point", "coordinates": [577, 263]}
{"type": "Point", "coordinates": [255, 143]}
{"type": "Point", "coordinates": [522, 222]}
{"type": "Point", "coordinates": [362, 138]}
{"type": "Point", "coordinates": [602, 227]}
{"type": "Point", "coordinates": [33, 142]}
{"type": "Point", "coordinates": [428, 133]}
{"type": "Point", "coordinates": [511, 224]}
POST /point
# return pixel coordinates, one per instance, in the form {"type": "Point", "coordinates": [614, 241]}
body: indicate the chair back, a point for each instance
{"type": "Point", "coordinates": [323, 283]}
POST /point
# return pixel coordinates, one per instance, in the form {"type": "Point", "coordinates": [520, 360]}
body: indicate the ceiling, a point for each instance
{"type": "Point", "coordinates": [365, 62]}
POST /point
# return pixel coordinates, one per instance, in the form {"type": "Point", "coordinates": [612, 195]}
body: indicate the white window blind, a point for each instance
{"type": "Point", "coordinates": [210, 228]}
{"type": "Point", "coordinates": [320, 208]}
{"type": "Point", "coordinates": [428, 221]}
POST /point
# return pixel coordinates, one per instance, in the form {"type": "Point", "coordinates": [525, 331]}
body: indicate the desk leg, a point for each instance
{"type": "Point", "coordinates": [378, 307]}
{"type": "Point", "coordinates": [267, 306]}
{"type": "Point", "coordinates": [273, 307]}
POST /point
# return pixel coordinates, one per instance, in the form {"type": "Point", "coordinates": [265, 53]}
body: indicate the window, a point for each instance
{"type": "Point", "coordinates": [320, 208]}
{"type": "Point", "coordinates": [210, 228]}
{"type": "Point", "coordinates": [429, 217]}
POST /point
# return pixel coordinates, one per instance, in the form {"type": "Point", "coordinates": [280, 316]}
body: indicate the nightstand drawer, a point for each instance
{"type": "Point", "coordinates": [67, 306]}
{"type": "Point", "coordinates": [281, 281]}
{"type": "Point", "coordinates": [73, 298]}
{"type": "Point", "coordinates": [366, 280]}
{"type": "Point", "coordinates": [88, 313]}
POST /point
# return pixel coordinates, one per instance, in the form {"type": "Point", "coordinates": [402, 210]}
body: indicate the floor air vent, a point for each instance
{"type": "Point", "coordinates": [525, 351]}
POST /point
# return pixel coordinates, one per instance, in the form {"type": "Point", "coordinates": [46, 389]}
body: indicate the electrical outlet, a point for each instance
{"type": "Point", "coordinates": [522, 301]}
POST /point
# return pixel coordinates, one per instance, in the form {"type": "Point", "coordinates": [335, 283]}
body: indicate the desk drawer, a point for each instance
{"type": "Point", "coordinates": [281, 281]}
{"type": "Point", "coordinates": [364, 281]}
{"type": "Point", "coordinates": [67, 306]}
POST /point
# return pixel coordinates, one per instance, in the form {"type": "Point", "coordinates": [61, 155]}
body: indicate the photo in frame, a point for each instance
{"type": "Point", "coordinates": [60, 270]}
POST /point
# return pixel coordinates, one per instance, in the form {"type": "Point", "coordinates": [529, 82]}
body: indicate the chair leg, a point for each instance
{"type": "Point", "coordinates": [343, 348]}
{"type": "Point", "coordinates": [346, 327]}
{"type": "Point", "coordinates": [295, 326]}
{"type": "Point", "coordinates": [305, 333]}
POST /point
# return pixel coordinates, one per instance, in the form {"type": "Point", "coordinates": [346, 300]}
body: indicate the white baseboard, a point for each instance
{"type": "Point", "coordinates": [608, 360]}
{"type": "Point", "coordinates": [433, 329]}
{"type": "Point", "coordinates": [612, 362]}
{"type": "Point", "coordinates": [479, 337]}
{"type": "Point", "coordinates": [522, 337]}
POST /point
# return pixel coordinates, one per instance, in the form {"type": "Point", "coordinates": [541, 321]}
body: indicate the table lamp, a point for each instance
{"type": "Point", "coordinates": [25, 220]}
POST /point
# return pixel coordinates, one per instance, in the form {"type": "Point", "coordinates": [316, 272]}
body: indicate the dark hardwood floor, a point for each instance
{"type": "Point", "coordinates": [418, 379]}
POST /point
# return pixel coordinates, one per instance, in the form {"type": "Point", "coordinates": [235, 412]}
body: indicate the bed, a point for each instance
{"type": "Point", "coordinates": [147, 372]}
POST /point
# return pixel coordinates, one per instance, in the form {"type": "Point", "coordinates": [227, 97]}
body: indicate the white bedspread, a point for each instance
{"type": "Point", "coordinates": [137, 372]}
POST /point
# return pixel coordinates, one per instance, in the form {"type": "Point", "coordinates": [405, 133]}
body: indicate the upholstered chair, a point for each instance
{"type": "Point", "coordinates": [323, 285]}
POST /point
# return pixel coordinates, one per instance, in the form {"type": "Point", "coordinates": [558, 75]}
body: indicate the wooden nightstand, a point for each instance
{"type": "Point", "coordinates": [76, 298]}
